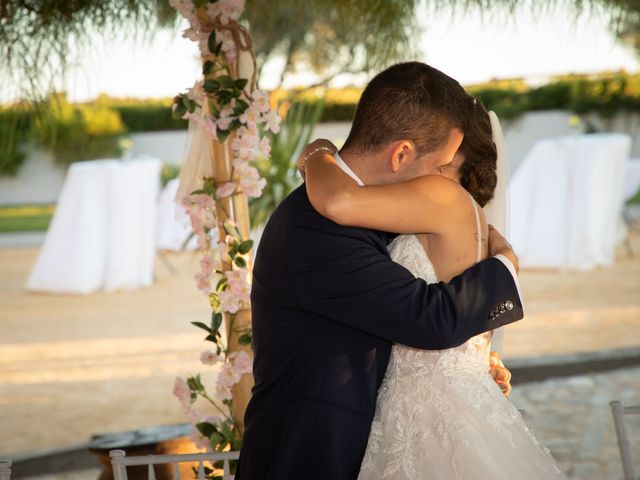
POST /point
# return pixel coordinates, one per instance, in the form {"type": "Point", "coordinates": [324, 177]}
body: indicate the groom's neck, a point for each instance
{"type": "Point", "coordinates": [362, 164]}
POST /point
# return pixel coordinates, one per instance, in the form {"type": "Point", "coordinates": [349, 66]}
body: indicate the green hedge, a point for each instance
{"type": "Point", "coordinates": [85, 131]}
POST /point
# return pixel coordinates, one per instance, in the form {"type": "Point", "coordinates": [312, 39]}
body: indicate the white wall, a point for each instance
{"type": "Point", "coordinates": [40, 181]}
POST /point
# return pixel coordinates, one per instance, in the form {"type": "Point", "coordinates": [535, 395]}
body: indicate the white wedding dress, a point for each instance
{"type": "Point", "coordinates": [441, 416]}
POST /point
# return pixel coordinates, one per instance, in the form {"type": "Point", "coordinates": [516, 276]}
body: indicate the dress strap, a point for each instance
{"type": "Point", "coordinates": [478, 229]}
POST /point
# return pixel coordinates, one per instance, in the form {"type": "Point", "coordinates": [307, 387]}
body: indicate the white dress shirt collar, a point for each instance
{"type": "Point", "coordinates": [345, 168]}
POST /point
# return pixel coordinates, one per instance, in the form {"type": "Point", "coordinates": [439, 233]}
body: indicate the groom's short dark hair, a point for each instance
{"type": "Point", "coordinates": [412, 101]}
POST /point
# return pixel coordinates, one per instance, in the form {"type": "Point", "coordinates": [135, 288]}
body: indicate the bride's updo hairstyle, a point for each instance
{"type": "Point", "coordinates": [478, 171]}
{"type": "Point", "coordinates": [411, 101]}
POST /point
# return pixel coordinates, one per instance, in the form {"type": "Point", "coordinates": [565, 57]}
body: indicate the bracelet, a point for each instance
{"type": "Point", "coordinates": [316, 150]}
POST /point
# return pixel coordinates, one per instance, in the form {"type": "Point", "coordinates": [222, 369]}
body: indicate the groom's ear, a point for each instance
{"type": "Point", "coordinates": [402, 154]}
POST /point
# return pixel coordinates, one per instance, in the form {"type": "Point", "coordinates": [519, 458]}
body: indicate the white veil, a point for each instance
{"type": "Point", "coordinates": [497, 210]}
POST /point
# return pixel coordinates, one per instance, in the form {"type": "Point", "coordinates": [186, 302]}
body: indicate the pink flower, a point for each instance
{"type": "Point", "coordinates": [199, 440]}
{"type": "Point", "coordinates": [232, 9]}
{"type": "Point", "coordinates": [265, 146]}
{"type": "Point", "coordinates": [223, 251]}
{"type": "Point", "coordinates": [181, 390]}
{"type": "Point", "coordinates": [237, 279]}
{"type": "Point", "coordinates": [224, 122]}
{"type": "Point", "coordinates": [242, 362]}
{"type": "Point", "coordinates": [206, 264]}
{"type": "Point", "coordinates": [209, 358]}
{"type": "Point", "coordinates": [203, 283]}
{"type": "Point", "coordinates": [191, 34]}
{"type": "Point", "coordinates": [223, 392]}
{"type": "Point", "coordinates": [228, 376]}
{"type": "Point", "coordinates": [225, 190]}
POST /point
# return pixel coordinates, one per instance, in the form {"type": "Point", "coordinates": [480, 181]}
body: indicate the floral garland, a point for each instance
{"type": "Point", "coordinates": [226, 108]}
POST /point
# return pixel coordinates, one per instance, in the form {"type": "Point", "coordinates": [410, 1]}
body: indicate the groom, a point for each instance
{"type": "Point", "coordinates": [328, 302]}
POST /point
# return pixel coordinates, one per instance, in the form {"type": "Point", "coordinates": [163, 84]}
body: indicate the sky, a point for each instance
{"type": "Point", "coordinates": [468, 47]}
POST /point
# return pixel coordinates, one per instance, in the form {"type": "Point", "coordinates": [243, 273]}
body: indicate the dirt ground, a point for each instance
{"type": "Point", "coordinates": [72, 366]}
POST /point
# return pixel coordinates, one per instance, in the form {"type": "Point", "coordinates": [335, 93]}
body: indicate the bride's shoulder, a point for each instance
{"type": "Point", "coordinates": [440, 189]}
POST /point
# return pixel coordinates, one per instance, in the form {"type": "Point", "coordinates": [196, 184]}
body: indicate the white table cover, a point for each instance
{"type": "Point", "coordinates": [566, 200]}
{"type": "Point", "coordinates": [102, 235]}
{"type": "Point", "coordinates": [173, 229]}
{"type": "Point", "coordinates": [631, 178]}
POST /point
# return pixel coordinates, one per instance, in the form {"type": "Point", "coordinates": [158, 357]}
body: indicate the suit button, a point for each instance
{"type": "Point", "coordinates": [509, 305]}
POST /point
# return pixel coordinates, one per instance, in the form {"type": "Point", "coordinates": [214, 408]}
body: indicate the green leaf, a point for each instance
{"type": "Point", "coordinates": [216, 439]}
{"type": "Point", "coordinates": [179, 111]}
{"type": "Point", "coordinates": [216, 320]}
{"type": "Point", "coordinates": [197, 192]}
{"type": "Point", "coordinates": [225, 95]}
{"type": "Point", "coordinates": [245, 247]}
{"type": "Point", "coordinates": [222, 284]}
{"type": "Point", "coordinates": [226, 81]}
{"type": "Point", "coordinates": [211, 86]}
{"type": "Point", "coordinates": [234, 125]}
{"type": "Point", "coordinates": [222, 135]}
{"type": "Point", "coordinates": [206, 429]}
{"type": "Point", "coordinates": [218, 49]}
{"type": "Point", "coordinates": [211, 42]}
{"type": "Point", "coordinates": [240, 262]}
{"type": "Point", "coordinates": [209, 187]}
{"type": "Point", "coordinates": [202, 326]}
{"type": "Point", "coordinates": [240, 83]}
{"type": "Point", "coordinates": [244, 339]}
{"type": "Point", "coordinates": [207, 67]}
{"type": "Point", "coordinates": [240, 108]}
{"type": "Point", "coordinates": [211, 338]}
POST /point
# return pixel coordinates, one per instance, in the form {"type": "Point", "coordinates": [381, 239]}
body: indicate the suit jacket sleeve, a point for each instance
{"type": "Point", "coordinates": [346, 275]}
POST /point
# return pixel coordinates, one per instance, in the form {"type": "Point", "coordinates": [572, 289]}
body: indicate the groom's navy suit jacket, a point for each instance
{"type": "Point", "coordinates": [327, 305]}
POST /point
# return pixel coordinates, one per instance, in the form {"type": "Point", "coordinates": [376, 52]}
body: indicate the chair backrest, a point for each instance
{"type": "Point", "coordinates": [5, 469]}
{"type": "Point", "coordinates": [619, 411]}
{"type": "Point", "coordinates": [120, 462]}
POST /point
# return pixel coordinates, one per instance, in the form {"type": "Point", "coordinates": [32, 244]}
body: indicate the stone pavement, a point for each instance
{"type": "Point", "coordinates": [71, 366]}
{"type": "Point", "coordinates": [571, 416]}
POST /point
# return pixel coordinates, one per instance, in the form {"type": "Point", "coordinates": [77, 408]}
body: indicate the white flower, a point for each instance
{"type": "Point", "coordinates": [242, 362]}
{"type": "Point", "coordinates": [225, 190]}
{"type": "Point", "coordinates": [228, 376]}
{"type": "Point", "coordinates": [209, 358]}
{"type": "Point", "coordinates": [251, 182]}
{"type": "Point", "coordinates": [261, 101]}
{"type": "Point", "coordinates": [273, 121]}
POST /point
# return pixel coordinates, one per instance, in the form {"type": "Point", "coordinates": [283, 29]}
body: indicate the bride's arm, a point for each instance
{"type": "Point", "coordinates": [425, 204]}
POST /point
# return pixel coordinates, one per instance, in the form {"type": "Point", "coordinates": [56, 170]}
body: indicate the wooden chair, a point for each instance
{"type": "Point", "coordinates": [120, 462]}
{"type": "Point", "coordinates": [5, 469]}
{"type": "Point", "coordinates": [619, 411]}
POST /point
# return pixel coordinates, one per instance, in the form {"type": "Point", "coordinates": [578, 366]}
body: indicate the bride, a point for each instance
{"type": "Point", "coordinates": [439, 414]}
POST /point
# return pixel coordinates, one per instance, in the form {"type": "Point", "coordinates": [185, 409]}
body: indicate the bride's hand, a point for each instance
{"type": "Point", "coordinates": [500, 374]}
{"type": "Point", "coordinates": [499, 245]}
{"type": "Point", "coordinates": [317, 146]}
